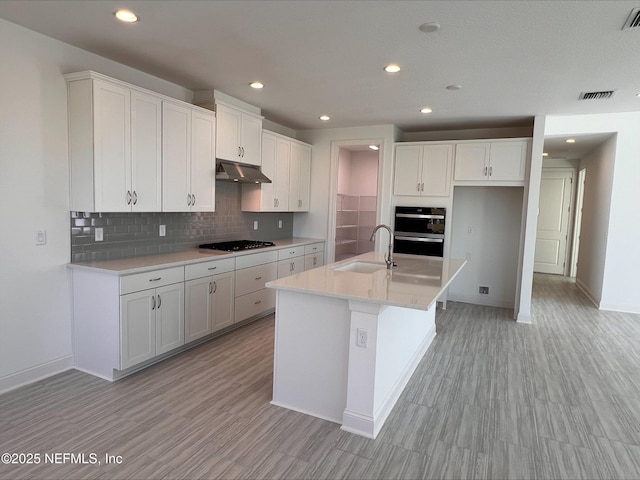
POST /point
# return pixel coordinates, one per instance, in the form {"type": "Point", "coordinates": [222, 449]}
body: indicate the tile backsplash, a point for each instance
{"type": "Point", "coordinates": [134, 234]}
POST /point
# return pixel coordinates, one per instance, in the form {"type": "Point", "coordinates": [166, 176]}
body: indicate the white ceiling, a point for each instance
{"type": "Point", "coordinates": [515, 59]}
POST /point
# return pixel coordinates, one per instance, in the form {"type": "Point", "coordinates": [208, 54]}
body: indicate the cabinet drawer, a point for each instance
{"type": "Point", "coordinates": [254, 303]}
{"type": "Point", "coordinates": [252, 279]}
{"type": "Point", "coordinates": [245, 261]}
{"type": "Point", "coordinates": [152, 279]}
{"type": "Point", "coordinates": [214, 267]}
{"type": "Point", "coordinates": [291, 252]}
{"type": "Point", "coordinates": [314, 248]}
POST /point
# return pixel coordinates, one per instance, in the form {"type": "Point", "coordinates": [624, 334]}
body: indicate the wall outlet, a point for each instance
{"type": "Point", "coordinates": [482, 290]}
{"type": "Point", "coordinates": [279, 223]}
{"type": "Point", "coordinates": [469, 230]}
{"type": "Point", "coordinates": [41, 237]}
{"type": "Point", "coordinates": [255, 224]}
{"type": "Point", "coordinates": [99, 234]}
{"type": "Point", "coordinates": [362, 337]}
{"type": "Point", "coordinates": [163, 230]}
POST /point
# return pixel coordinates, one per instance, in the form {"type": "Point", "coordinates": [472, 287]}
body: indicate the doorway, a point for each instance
{"type": "Point", "coordinates": [356, 199]}
{"type": "Point", "coordinates": [577, 224]}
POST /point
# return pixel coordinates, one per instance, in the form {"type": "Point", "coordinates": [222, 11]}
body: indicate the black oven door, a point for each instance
{"type": "Point", "coordinates": [420, 220]}
{"type": "Point", "coordinates": [429, 245]}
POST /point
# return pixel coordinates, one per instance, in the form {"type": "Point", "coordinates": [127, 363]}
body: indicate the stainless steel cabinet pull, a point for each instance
{"type": "Point", "coordinates": [128, 197]}
{"type": "Point", "coordinates": [490, 171]}
{"type": "Point", "coordinates": [188, 199]}
{"type": "Point", "coordinates": [258, 302]}
{"type": "Point", "coordinates": [422, 187]}
{"type": "Point", "coordinates": [159, 301]}
{"type": "Point", "coordinates": [135, 197]}
{"type": "Point", "coordinates": [242, 151]}
{"type": "Point", "coordinates": [212, 268]}
{"type": "Point", "coordinates": [155, 279]}
{"type": "Point", "coordinates": [274, 203]}
{"type": "Point", "coordinates": [315, 261]}
{"type": "Point", "coordinates": [418, 187]}
{"type": "Point", "coordinates": [485, 171]}
{"type": "Point", "coordinates": [258, 278]}
{"type": "Point", "coordinates": [215, 287]}
{"type": "Point", "coordinates": [210, 288]}
{"type": "Point", "coordinates": [153, 306]}
{"type": "Point", "coordinates": [193, 199]}
{"type": "Point", "coordinates": [239, 151]}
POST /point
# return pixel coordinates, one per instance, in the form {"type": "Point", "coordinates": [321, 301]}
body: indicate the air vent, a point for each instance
{"type": "Point", "coordinates": [633, 21]}
{"type": "Point", "coordinates": [596, 95]}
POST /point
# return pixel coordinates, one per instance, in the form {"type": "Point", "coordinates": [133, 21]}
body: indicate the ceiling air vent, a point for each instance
{"type": "Point", "coordinates": [633, 21]}
{"type": "Point", "coordinates": [596, 95]}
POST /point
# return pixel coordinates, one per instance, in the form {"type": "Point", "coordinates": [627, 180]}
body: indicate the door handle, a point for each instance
{"type": "Point", "coordinates": [135, 197]}
{"type": "Point", "coordinates": [128, 197]}
{"type": "Point", "coordinates": [159, 301]}
{"type": "Point", "coordinates": [193, 199]}
{"type": "Point", "coordinates": [188, 199]}
{"type": "Point", "coordinates": [210, 288]}
{"type": "Point", "coordinates": [153, 306]}
{"type": "Point", "coordinates": [215, 287]}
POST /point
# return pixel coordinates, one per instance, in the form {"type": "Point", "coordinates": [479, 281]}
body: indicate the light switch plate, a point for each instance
{"type": "Point", "coordinates": [41, 237]}
{"type": "Point", "coordinates": [163, 230]}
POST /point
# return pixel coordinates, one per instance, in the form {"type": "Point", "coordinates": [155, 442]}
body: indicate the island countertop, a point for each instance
{"type": "Point", "coordinates": [416, 282]}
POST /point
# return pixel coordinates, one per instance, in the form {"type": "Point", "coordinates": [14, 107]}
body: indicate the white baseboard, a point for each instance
{"type": "Point", "coordinates": [620, 308]}
{"type": "Point", "coordinates": [585, 290]}
{"type": "Point", "coordinates": [33, 374]}
{"type": "Point", "coordinates": [306, 412]}
{"type": "Point", "coordinates": [475, 300]}
{"type": "Point", "coordinates": [524, 318]}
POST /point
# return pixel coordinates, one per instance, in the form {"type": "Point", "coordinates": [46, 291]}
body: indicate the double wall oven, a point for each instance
{"type": "Point", "coordinates": [419, 231]}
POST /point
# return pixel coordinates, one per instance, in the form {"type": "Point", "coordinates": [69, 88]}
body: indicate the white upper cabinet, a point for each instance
{"type": "Point", "coordinates": [423, 170]}
{"type": "Point", "coordinates": [495, 161]}
{"type": "Point", "coordinates": [287, 163]}
{"type": "Point", "coordinates": [188, 162]}
{"type": "Point", "coordinates": [238, 135]}
{"type": "Point", "coordinates": [114, 145]}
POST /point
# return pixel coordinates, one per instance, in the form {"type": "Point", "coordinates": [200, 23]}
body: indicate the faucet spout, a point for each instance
{"type": "Point", "coordinates": [388, 259]}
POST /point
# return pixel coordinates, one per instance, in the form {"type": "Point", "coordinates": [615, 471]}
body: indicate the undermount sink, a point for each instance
{"type": "Point", "coordinates": [361, 267]}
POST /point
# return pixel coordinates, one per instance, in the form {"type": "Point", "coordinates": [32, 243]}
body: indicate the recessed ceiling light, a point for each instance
{"type": "Point", "coordinates": [429, 27]}
{"type": "Point", "coordinates": [545, 154]}
{"type": "Point", "coordinates": [325, 118]}
{"type": "Point", "coordinates": [392, 68]}
{"type": "Point", "coordinates": [426, 110]}
{"type": "Point", "coordinates": [454, 87]}
{"type": "Point", "coordinates": [256, 85]}
{"type": "Point", "coordinates": [570, 140]}
{"type": "Point", "coordinates": [126, 16]}
{"type": "Point", "coordinates": [374, 147]}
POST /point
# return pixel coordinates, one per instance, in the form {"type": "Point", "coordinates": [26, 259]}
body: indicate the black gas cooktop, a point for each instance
{"type": "Point", "coordinates": [237, 245]}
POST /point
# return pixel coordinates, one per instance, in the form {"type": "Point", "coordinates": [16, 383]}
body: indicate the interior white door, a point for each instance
{"type": "Point", "coordinates": [553, 221]}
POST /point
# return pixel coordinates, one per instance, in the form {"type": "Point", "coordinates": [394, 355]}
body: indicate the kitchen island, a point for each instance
{"type": "Point", "coordinates": [349, 335]}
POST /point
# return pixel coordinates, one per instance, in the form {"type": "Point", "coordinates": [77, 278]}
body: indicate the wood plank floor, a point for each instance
{"type": "Point", "coordinates": [491, 399]}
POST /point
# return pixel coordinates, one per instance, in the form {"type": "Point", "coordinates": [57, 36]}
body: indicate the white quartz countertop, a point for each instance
{"type": "Point", "coordinates": [416, 282]}
{"type": "Point", "coordinates": [126, 266]}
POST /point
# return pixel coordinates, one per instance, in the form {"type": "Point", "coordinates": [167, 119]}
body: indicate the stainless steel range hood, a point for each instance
{"type": "Point", "coordinates": [239, 172]}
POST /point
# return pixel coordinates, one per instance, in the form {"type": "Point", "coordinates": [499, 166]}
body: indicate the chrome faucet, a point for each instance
{"type": "Point", "coordinates": [388, 259]}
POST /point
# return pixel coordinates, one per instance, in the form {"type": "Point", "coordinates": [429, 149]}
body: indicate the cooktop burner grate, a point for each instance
{"type": "Point", "coordinates": [237, 245]}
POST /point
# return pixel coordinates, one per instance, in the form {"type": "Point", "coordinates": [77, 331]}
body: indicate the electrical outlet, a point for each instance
{"type": "Point", "coordinates": [41, 237]}
{"type": "Point", "coordinates": [163, 230]}
{"type": "Point", "coordinates": [99, 234]}
{"type": "Point", "coordinates": [255, 224]}
{"type": "Point", "coordinates": [362, 337]}
{"type": "Point", "coordinates": [469, 230]}
{"type": "Point", "coordinates": [279, 223]}
{"type": "Point", "coordinates": [482, 290]}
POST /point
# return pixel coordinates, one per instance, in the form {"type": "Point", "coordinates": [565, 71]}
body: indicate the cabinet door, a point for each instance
{"type": "Point", "coordinates": [507, 160]}
{"type": "Point", "coordinates": [250, 139]}
{"type": "Point", "coordinates": [222, 300]}
{"type": "Point", "coordinates": [137, 328]}
{"type": "Point", "coordinates": [290, 266]}
{"type": "Point", "coordinates": [203, 162]}
{"type": "Point", "coordinates": [313, 260]}
{"type": "Point", "coordinates": [169, 317]}
{"type": "Point", "coordinates": [112, 150]}
{"type": "Point", "coordinates": [269, 168]}
{"type": "Point", "coordinates": [407, 170]}
{"type": "Point", "coordinates": [281, 180]}
{"type": "Point", "coordinates": [472, 161]}
{"type": "Point", "coordinates": [299, 178]}
{"type": "Point", "coordinates": [176, 155]}
{"type": "Point", "coordinates": [146, 152]}
{"type": "Point", "coordinates": [228, 121]}
{"type": "Point", "coordinates": [197, 321]}
{"type": "Point", "coordinates": [436, 170]}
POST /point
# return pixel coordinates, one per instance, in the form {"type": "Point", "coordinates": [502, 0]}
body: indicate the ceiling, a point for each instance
{"type": "Point", "coordinates": [513, 59]}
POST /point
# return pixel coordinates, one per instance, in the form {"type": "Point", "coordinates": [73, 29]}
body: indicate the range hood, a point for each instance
{"type": "Point", "coordinates": [239, 172]}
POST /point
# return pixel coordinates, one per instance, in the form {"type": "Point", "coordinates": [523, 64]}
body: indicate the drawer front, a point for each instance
{"type": "Point", "coordinates": [152, 279]}
{"type": "Point", "coordinates": [254, 303]}
{"type": "Point", "coordinates": [213, 267]}
{"type": "Point", "coordinates": [314, 248]}
{"type": "Point", "coordinates": [253, 259]}
{"type": "Point", "coordinates": [291, 252]}
{"type": "Point", "coordinates": [252, 279]}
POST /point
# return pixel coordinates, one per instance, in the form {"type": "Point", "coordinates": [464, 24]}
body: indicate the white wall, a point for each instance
{"type": "Point", "coordinates": [494, 214]}
{"type": "Point", "coordinates": [35, 298]}
{"type": "Point", "coordinates": [620, 283]}
{"type": "Point", "coordinates": [365, 167]}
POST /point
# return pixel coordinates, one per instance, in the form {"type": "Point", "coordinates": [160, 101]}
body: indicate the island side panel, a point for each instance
{"type": "Point", "coordinates": [311, 354]}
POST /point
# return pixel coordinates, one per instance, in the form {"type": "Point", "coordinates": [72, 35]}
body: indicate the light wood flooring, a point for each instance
{"type": "Point", "coordinates": [491, 399]}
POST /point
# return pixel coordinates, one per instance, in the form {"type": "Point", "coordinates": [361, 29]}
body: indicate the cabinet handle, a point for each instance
{"type": "Point", "coordinates": [239, 151]}
{"type": "Point", "coordinates": [159, 302]}
{"type": "Point", "coordinates": [258, 278]}
{"type": "Point", "coordinates": [155, 279]}
{"type": "Point", "coordinates": [135, 197]}
{"type": "Point", "coordinates": [188, 199]}
{"type": "Point", "coordinates": [210, 288]}
{"type": "Point", "coordinates": [485, 171]}
{"type": "Point", "coordinates": [274, 203]}
{"type": "Point", "coordinates": [315, 261]}
{"type": "Point", "coordinates": [153, 307]}
{"type": "Point", "coordinates": [215, 287]}
{"type": "Point", "coordinates": [490, 171]}
{"type": "Point", "coordinates": [242, 152]}
{"type": "Point", "coordinates": [193, 198]}
{"type": "Point", "coordinates": [299, 203]}
{"type": "Point", "coordinates": [128, 197]}
{"type": "Point", "coordinates": [422, 187]}
{"type": "Point", "coordinates": [257, 302]}
{"type": "Point", "coordinates": [212, 268]}
{"type": "Point", "coordinates": [418, 187]}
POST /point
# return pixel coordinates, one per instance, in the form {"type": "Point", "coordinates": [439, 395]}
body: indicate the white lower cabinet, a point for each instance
{"type": "Point", "coordinates": [313, 255]}
{"type": "Point", "coordinates": [290, 261]}
{"type": "Point", "coordinates": [253, 272]}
